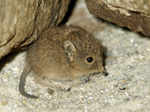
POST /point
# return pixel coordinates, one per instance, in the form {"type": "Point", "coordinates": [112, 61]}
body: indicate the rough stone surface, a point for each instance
{"type": "Point", "coordinates": [125, 89]}
{"type": "Point", "coordinates": [22, 21]}
{"type": "Point", "coordinates": [133, 14]}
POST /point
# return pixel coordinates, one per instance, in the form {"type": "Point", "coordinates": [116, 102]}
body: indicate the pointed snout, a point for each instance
{"type": "Point", "coordinates": [102, 69]}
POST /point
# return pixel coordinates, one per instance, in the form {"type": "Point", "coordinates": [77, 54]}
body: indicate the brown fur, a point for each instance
{"type": "Point", "coordinates": [61, 53]}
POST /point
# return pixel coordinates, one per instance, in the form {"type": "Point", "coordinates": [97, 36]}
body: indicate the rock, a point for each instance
{"type": "Point", "coordinates": [21, 21]}
{"type": "Point", "coordinates": [133, 14]}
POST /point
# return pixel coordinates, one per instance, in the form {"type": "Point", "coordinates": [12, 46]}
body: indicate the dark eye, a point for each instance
{"type": "Point", "coordinates": [89, 59]}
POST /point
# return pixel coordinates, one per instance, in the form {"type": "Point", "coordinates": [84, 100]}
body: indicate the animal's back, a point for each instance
{"type": "Point", "coordinates": [49, 54]}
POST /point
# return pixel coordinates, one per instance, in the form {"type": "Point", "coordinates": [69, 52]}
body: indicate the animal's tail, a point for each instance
{"type": "Point", "coordinates": [22, 83]}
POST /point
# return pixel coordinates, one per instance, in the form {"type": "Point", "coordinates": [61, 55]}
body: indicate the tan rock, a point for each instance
{"type": "Point", "coordinates": [21, 21]}
{"type": "Point", "coordinates": [133, 14]}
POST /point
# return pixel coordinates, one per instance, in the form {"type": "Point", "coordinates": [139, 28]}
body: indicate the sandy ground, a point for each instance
{"type": "Point", "coordinates": [125, 89]}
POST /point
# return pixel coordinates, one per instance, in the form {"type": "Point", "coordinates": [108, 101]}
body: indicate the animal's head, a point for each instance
{"type": "Point", "coordinates": [84, 52]}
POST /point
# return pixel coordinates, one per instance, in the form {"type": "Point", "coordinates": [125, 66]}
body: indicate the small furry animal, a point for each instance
{"type": "Point", "coordinates": [62, 53]}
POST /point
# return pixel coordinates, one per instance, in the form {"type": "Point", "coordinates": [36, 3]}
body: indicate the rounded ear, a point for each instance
{"type": "Point", "coordinates": [70, 49]}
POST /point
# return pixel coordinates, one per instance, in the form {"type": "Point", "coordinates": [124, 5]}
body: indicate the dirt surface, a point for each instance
{"type": "Point", "coordinates": [125, 89]}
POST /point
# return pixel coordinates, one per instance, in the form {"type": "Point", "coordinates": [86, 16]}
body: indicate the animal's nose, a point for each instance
{"type": "Point", "coordinates": [105, 73]}
{"type": "Point", "coordinates": [102, 69]}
